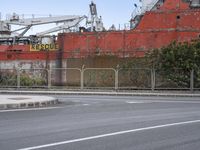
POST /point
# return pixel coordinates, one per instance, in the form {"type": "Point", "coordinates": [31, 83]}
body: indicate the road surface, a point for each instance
{"type": "Point", "coordinates": [105, 123]}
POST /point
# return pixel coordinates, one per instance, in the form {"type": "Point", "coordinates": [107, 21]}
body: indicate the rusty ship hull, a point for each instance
{"type": "Point", "coordinates": [174, 20]}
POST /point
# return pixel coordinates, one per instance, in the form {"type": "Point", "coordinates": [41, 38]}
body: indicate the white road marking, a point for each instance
{"type": "Point", "coordinates": [183, 102]}
{"type": "Point", "coordinates": [28, 109]}
{"type": "Point", "coordinates": [138, 102]}
{"type": "Point", "coordinates": [162, 101]}
{"type": "Point", "coordinates": [108, 135]}
{"type": "Point", "coordinates": [86, 104]}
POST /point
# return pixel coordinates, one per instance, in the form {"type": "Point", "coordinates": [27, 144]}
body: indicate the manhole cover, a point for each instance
{"type": "Point", "coordinates": [19, 98]}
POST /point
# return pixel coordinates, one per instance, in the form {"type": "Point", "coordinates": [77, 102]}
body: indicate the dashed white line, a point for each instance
{"type": "Point", "coordinates": [86, 104]}
{"type": "Point", "coordinates": [183, 102]}
{"type": "Point", "coordinates": [108, 135]}
{"type": "Point", "coordinates": [137, 102]}
{"type": "Point", "coordinates": [164, 101]}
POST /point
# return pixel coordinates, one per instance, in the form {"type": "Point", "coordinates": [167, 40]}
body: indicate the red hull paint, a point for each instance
{"type": "Point", "coordinates": [173, 21]}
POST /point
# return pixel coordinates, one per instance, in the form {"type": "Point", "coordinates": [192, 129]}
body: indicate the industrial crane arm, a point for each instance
{"type": "Point", "coordinates": [40, 21]}
{"type": "Point", "coordinates": [68, 20]}
{"type": "Point", "coordinates": [66, 25]}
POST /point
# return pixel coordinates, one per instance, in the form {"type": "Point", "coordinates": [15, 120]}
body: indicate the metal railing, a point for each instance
{"type": "Point", "coordinates": [134, 78]}
{"type": "Point", "coordinates": [109, 78]}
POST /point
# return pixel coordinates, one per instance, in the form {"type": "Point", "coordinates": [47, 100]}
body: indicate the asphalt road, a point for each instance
{"type": "Point", "coordinates": [105, 123]}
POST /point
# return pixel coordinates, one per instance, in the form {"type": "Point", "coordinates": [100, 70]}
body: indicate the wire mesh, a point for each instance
{"type": "Point", "coordinates": [33, 78]}
{"type": "Point", "coordinates": [172, 79]}
{"type": "Point", "coordinates": [66, 77]}
{"type": "Point", "coordinates": [8, 78]}
{"type": "Point", "coordinates": [134, 78]}
{"type": "Point", "coordinates": [99, 78]}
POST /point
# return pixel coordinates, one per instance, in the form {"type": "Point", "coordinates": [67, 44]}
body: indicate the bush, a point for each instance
{"type": "Point", "coordinates": [184, 57]}
{"type": "Point", "coordinates": [26, 80]}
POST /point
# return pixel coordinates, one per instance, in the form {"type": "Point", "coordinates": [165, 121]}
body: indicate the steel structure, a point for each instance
{"type": "Point", "coordinates": [68, 22]}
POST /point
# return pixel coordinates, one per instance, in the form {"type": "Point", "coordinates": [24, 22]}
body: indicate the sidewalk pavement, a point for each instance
{"type": "Point", "coordinates": [105, 92]}
{"type": "Point", "coordinates": [25, 101]}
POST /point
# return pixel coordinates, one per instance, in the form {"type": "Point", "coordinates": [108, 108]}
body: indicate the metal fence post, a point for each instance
{"type": "Point", "coordinates": [117, 78]}
{"type": "Point", "coordinates": [153, 79]}
{"type": "Point", "coordinates": [192, 80]}
{"type": "Point", "coordinates": [18, 78]}
{"type": "Point", "coordinates": [49, 78]}
{"type": "Point", "coordinates": [82, 77]}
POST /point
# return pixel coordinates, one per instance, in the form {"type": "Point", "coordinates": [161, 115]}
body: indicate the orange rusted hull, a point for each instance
{"type": "Point", "coordinates": [173, 21]}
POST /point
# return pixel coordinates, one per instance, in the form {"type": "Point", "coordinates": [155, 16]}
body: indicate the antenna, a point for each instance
{"type": "Point", "coordinates": [93, 9]}
{"type": "Point", "coordinates": [95, 22]}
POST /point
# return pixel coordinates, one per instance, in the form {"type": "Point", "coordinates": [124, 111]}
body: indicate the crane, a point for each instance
{"type": "Point", "coordinates": [68, 21]}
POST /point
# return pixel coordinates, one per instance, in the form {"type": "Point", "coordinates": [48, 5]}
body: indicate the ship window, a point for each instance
{"type": "Point", "coordinates": [178, 17]}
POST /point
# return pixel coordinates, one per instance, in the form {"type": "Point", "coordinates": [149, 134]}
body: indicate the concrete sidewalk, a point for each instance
{"type": "Point", "coordinates": [107, 93]}
{"type": "Point", "coordinates": [25, 101]}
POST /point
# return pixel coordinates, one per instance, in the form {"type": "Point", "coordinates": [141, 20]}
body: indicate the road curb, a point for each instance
{"type": "Point", "coordinates": [26, 102]}
{"type": "Point", "coordinates": [109, 93]}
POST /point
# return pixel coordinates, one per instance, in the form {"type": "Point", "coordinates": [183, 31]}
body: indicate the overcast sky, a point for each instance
{"type": "Point", "coordinates": [112, 11]}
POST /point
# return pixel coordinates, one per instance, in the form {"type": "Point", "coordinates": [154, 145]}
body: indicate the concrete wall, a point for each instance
{"type": "Point", "coordinates": [69, 76]}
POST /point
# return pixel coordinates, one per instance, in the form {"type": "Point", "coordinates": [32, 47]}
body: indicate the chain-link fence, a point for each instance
{"type": "Point", "coordinates": [33, 78]}
{"type": "Point", "coordinates": [120, 78]}
{"type": "Point", "coordinates": [8, 77]}
{"type": "Point", "coordinates": [134, 78]}
{"type": "Point", "coordinates": [99, 78]}
{"type": "Point", "coordinates": [173, 79]}
{"type": "Point", "coordinates": [65, 78]}
{"type": "Point", "coordinates": [196, 77]}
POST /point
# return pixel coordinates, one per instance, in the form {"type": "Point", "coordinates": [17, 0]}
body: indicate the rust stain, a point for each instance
{"type": "Point", "coordinates": [173, 21]}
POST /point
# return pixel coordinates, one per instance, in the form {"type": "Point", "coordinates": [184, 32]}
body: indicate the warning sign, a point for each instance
{"type": "Point", "coordinates": [44, 47]}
